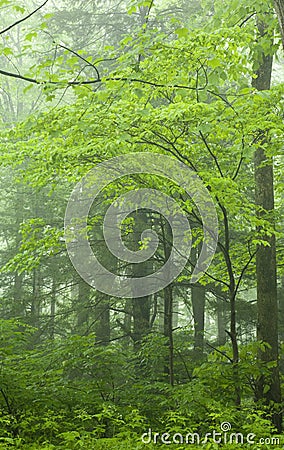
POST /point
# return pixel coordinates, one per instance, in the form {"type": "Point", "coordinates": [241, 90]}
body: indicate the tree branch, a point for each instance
{"type": "Point", "coordinates": [219, 351]}
{"type": "Point", "coordinates": [82, 58]}
{"type": "Point", "coordinates": [211, 153]}
{"type": "Point", "coordinates": [23, 19]}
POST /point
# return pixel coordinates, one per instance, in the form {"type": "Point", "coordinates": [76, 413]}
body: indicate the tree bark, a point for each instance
{"type": "Point", "coordinates": [52, 307]}
{"type": "Point", "coordinates": [221, 322]}
{"type": "Point", "coordinates": [266, 276]}
{"type": "Point", "coordinates": [102, 324]}
{"type": "Point", "coordinates": [168, 331]}
{"type": "Point", "coordinates": [84, 291]}
{"type": "Point", "coordinates": [198, 308]}
{"type": "Point", "coordinates": [279, 8]}
{"type": "Point", "coordinates": [168, 305]}
{"type": "Point", "coordinates": [140, 305]}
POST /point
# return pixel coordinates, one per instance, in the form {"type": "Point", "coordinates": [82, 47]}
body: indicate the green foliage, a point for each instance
{"type": "Point", "coordinates": [75, 393]}
{"type": "Point", "coordinates": [180, 89]}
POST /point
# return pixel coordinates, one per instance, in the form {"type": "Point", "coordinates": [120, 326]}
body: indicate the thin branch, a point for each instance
{"type": "Point", "coordinates": [219, 351]}
{"type": "Point", "coordinates": [184, 364]}
{"type": "Point", "coordinates": [238, 168]}
{"type": "Point", "coordinates": [82, 58]}
{"type": "Point", "coordinates": [21, 77]}
{"type": "Point", "coordinates": [82, 83]}
{"type": "Point", "coordinates": [244, 270]}
{"type": "Point", "coordinates": [4, 395]}
{"type": "Point", "coordinates": [23, 19]}
{"type": "Point", "coordinates": [211, 153]}
{"type": "Point", "coordinates": [247, 19]}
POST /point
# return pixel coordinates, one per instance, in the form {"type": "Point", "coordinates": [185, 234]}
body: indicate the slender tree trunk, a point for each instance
{"type": "Point", "coordinates": [141, 306]}
{"type": "Point", "coordinates": [221, 322]}
{"type": "Point", "coordinates": [232, 300]}
{"type": "Point", "coordinates": [18, 309]}
{"type": "Point", "coordinates": [84, 291]}
{"type": "Point", "coordinates": [267, 305]}
{"type": "Point", "coordinates": [198, 308]}
{"type": "Point", "coordinates": [141, 318]}
{"type": "Point", "coordinates": [168, 331]}
{"type": "Point", "coordinates": [235, 347]}
{"type": "Point", "coordinates": [35, 303]}
{"type": "Point", "coordinates": [168, 306]}
{"type": "Point", "coordinates": [102, 324]}
{"type": "Point", "coordinates": [127, 320]}
{"type": "Point", "coordinates": [52, 307]}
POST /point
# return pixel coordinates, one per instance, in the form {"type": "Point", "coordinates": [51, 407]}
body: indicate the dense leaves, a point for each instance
{"type": "Point", "coordinates": [80, 369]}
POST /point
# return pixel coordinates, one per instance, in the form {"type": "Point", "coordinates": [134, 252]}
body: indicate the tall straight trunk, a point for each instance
{"type": "Point", "coordinates": [168, 305]}
{"type": "Point", "coordinates": [198, 308]}
{"type": "Point", "coordinates": [52, 307]}
{"type": "Point", "coordinates": [266, 276]}
{"type": "Point", "coordinates": [168, 332]}
{"type": "Point", "coordinates": [221, 322]}
{"type": "Point", "coordinates": [18, 309]}
{"type": "Point", "coordinates": [127, 320]}
{"type": "Point", "coordinates": [102, 324]}
{"type": "Point", "coordinates": [232, 332]}
{"type": "Point", "coordinates": [141, 306]}
{"type": "Point", "coordinates": [102, 303]}
{"type": "Point", "coordinates": [35, 302]}
{"type": "Point", "coordinates": [235, 346]}
{"type": "Point", "coordinates": [84, 291]}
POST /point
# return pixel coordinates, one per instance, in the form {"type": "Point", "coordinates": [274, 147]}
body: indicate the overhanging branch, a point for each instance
{"type": "Point", "coordinates": [23, 19]}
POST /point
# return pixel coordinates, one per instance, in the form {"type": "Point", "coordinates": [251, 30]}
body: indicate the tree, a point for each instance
{"type": "Point", "coordinates": [279, 8]}
{"type": "Point", "coordinates": [204, 114]}
{"type": "Point", "coordinates": [267, 303]}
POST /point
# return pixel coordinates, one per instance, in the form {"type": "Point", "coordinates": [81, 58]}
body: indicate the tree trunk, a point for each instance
{"type": "Point", "coordinates": [102, 324]}
{"type": "Point", "coordinates": [198, 308]}
{"type": "Point", "coordinates": [52, 308]}
{"type": "Point", "coordinates": [35, 303]}
{"type": "Point", "coordinates": [168, 332]}
{"type": "Point", "coordinates": [267, 305]}
{"type": "Point", "coordinates": [168, 305]}
{"type": "Point", "coordinates": [18, 308]}
{"type": "Point", "coordinates": [279, 8]}
{"type": "Point", "coordinates": [221, 322]}
{"type": "Point", "coordinates": [140, 305]}
{"type": "Point", "coordinates": [83, 305]}
{"type": "Point", "coordinates": [235, 347]}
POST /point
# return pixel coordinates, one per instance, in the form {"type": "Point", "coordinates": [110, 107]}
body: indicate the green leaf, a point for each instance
{"type": "Point", "coordinates": [181, 32]}
{"type": "Point", "coordinates": [7, 51]}
{"type": "Point", "coordinates": [30, 36]}
{"type": "Point", "coordinates": [19, 9]}
{"type": "Point", "coordinates": [266, 389]}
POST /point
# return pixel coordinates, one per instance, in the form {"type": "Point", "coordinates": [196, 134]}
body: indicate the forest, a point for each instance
{"type": "Point", "coordinates": [141, 239]}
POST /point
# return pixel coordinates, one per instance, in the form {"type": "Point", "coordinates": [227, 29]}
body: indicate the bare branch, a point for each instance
{"type": "Point", "coordinates": [23, 19]}
{"type": "Point", "coordinates": [21, 77]}
{"type": "Point", "coordinates": [211, 153]}
{"type": "Point", "coordinates": [82, 58]}
{"type": "Point", "coordinates": [219, 351]}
